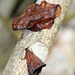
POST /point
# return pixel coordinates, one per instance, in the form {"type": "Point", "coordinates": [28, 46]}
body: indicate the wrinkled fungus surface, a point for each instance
{"type": "Point", "coordinates": [37, 17]}
{"type": "Point", "coordinates": [34, 64]}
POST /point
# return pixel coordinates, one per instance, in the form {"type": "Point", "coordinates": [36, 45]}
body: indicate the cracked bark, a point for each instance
{"type": "Point", "coordinates": [39, 42]}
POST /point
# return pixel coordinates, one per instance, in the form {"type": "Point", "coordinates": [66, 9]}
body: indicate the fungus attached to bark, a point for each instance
{"type": "Point", "coordinates": [37, 17]}
{"type": "Point", "coordinates": [53, 9]}
{"type": "Point", "coordinates": [34, 64]}
{"type": "Point", "coordinates": [43, 24]}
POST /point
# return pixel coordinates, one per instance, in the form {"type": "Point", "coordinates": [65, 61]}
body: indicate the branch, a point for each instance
{"type": "Point", "coordinates": [38, 42]}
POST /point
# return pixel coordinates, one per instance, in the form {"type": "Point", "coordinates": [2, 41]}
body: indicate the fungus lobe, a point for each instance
{"type": "Point", "coordinates": [37, 17]}
{"type": "Point", "coordinates": [34, 64]}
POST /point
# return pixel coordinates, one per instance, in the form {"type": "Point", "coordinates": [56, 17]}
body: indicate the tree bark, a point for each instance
{"type": "Point", "coordinates": [38, 42]}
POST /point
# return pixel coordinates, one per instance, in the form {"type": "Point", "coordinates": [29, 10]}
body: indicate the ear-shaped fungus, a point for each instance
{"type": "Point", "coordinates": [34, 64]}
{"type": "Point", "coordinates": [37, 17]}
{"type": "Point", "coordinates": [54, 9]}
{"type": "Point", "coordinates": [43, 24]}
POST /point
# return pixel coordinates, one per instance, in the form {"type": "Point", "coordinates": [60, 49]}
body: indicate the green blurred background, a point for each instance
{"type": "Point", "coordinates": [64, 44]}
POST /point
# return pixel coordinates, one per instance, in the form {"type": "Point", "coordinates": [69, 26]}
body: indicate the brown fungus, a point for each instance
{"type": "Point", "coordinates": [34, 64]}
{"type": "Point", "coordinates": [37, 17]}
{"type": "Point", "coordinates": [54, 9]}
{"type": "Point", "coordinates": [43, 24]}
